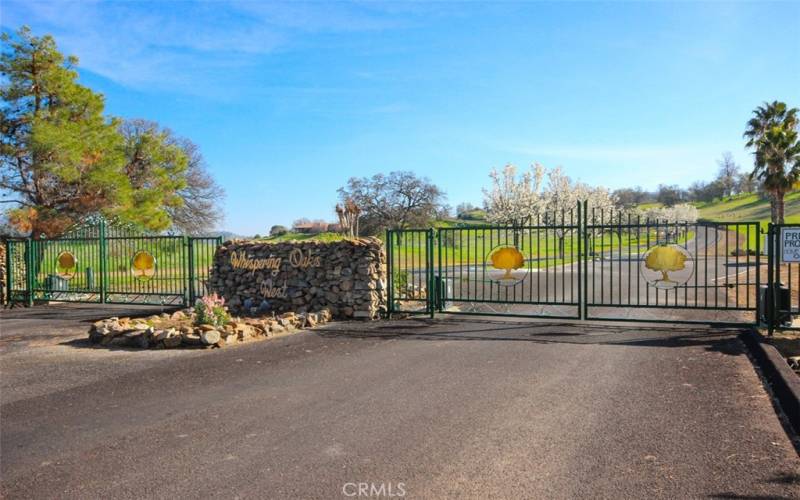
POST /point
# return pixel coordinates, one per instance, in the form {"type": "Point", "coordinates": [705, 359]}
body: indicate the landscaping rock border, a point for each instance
{"type": "Point", "coordinates": [178, 330]}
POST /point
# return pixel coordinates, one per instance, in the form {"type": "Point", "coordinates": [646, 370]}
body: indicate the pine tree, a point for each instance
{"type": "Point", "coordinates": [62, 158]}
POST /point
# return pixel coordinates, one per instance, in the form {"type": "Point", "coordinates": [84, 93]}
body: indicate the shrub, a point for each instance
{"type": "Point", "coordinates": [401, 282]}
{"type": "Point", "coordinates": [210, 310]}
{"type": "Point", "coordinates": [278, 230]}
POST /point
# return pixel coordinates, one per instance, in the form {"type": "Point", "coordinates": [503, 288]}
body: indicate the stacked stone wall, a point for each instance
{"type": "Point", "coordinates": [347, 277]}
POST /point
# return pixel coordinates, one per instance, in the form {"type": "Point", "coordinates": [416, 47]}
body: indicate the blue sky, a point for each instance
{"type": "Point", "coordinates": [288, 100]}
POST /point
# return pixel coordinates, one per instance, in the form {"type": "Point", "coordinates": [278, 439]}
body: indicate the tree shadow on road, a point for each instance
{"type": "Point", "coordinates": [712, 339]}
{"type": "Point", "coordinates": [81, 312]}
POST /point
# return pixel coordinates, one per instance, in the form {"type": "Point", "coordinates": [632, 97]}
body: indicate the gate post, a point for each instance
{"type": "Point", "coordinates": [441, 287]}
{"type": "Point", "coordinates": [389, 274]}
{"type": "Point", "coordinates": [9, 274]}
{"type": "Point", "coordinates": [29, 270]}
{"type": "Point", "coordinates": [190, 248]}
{"type": "Point", "coordinates": [758, 273]}
{"type": "Point", "coordinates": [770, 295]}
{"type": "Point", "coordinates": [579, 284]}
{"type": "Point", "coordinates": [432, 290]}
{"type": "Point", "coordinates": [103, 258]}
{"type": "Point", "coordinates": [585, 284]}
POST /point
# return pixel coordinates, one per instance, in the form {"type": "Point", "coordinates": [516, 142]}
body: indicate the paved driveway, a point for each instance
{"type": "Point", "coordinates": [447, 408]}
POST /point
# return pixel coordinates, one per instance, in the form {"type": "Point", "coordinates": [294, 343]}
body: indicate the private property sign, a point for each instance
{"type": "Point", "coordinates": [790, 244]}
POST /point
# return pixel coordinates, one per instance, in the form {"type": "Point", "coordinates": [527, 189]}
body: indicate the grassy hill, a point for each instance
{"type": "Point", "coordinates": [749, 208]}
{"type": "Point", "coordinates": [746, 208]}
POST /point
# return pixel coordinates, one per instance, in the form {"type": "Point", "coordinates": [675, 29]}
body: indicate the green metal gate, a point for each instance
{"type": "Point", "coordinates": [103, 264]}
{"type": "Point", "coordinates": [586, 263]}
{"type": "Point", "coordinates": [410, 271]}
{"type": "Point", "coordinates": [718, 282]}
{"type": "Point", "coordinates": [529, 269]}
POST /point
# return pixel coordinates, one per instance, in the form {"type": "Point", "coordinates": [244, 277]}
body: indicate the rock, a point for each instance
{"type": "Point", "coordinates": [311, 320]}
{"type": "Point", "coordinates": [178, 315]}
{"type": "Point", "coordinates": [142, 340]}
{"type": "Point", "coordinates": [123, 340]}
{"type": "Point", "coordinates": [140, 326]}
{"type": "Point", "coordinates": [230, 339]}
{"type": "Point", "coordinates": [210, 337]}
{"type": "Point", "coordinates": [207, 328]}
{"type": "Point", "coordinates": [243, 330]}
{"type": "Point", "coordinates": [192, 338]}
{"type": "Point", "coordinates": [173, 340]}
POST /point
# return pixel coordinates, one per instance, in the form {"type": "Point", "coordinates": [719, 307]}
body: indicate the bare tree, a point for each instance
{"type": "Point", "coordinates": [728, 174]}
{"type": "Point", "coordinates": [202, 197]}
{"type": "Point", "coordinates": [199, 209]}
{"type": "Point", "coordinates": [348, 213]}
{"type": "Point", "coordinates": [397, 200]}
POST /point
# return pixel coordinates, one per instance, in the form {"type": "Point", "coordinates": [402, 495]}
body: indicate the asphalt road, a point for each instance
{"type": "Point", "coordinates": [448, 409]}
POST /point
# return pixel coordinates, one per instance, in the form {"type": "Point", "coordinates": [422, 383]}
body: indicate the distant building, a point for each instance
{"type": "Point", "coordinates": [314, 227]}
{"type": "Point", "coordinates": [304, 228]}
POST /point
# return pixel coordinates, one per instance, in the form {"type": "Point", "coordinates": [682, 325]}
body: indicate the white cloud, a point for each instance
{"type": "Point", "coordinates": [189, 47]}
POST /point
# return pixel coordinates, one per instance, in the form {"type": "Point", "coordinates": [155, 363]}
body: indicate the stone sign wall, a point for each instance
{"type": "Point", "coordinates": [347, 277]}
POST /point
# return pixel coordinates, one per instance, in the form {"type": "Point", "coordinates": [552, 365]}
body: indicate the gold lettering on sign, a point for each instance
{"type": "Point", "coordinates": [298, 259]}
{"type": "Point", "coordinates": [240, 260]}
{"type": "Point", "coordinates": [270, 291]}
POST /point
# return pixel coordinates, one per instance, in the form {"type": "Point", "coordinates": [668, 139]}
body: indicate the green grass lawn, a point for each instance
{"type": "Point", "coordinates": [291, 236]}
{"type": "Point", "coordinates": [748, 207]}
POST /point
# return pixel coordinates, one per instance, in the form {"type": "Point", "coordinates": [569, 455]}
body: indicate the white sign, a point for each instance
{"type": "Point", "coordinates": [790, 244]}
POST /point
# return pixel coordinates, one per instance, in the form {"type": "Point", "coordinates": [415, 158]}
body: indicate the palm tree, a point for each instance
{"type": "Point", "coordinates": [772, 134]}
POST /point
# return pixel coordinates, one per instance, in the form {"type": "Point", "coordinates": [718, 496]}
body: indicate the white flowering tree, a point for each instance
{"type": "Point", "coordinates": [668, 220]}
{"type": "Point", "coordinates": [683, 212]}
{"type": "Point", "coordinates": [514, 199]}
{"type": "Point", "coordinates": [561, 197]}
{"type": "Point", "coordinates": [517, 199]}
